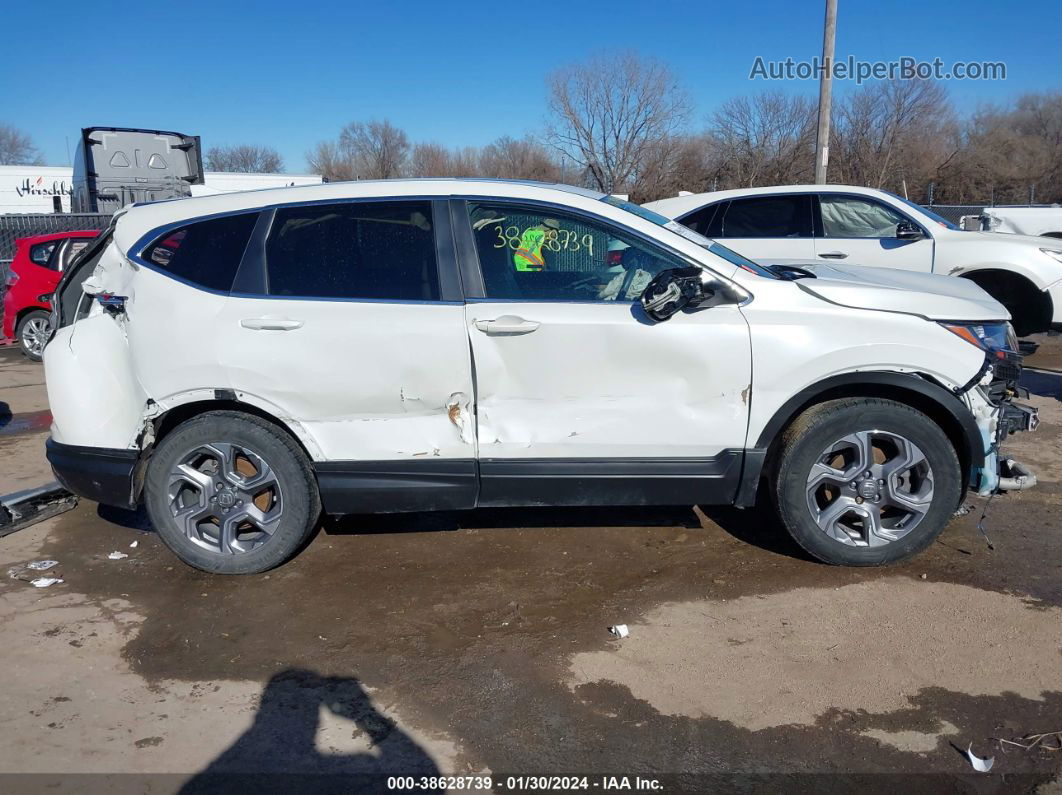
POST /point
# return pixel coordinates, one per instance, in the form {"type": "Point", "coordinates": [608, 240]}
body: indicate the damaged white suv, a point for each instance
{"type": "Point", "coordinates": [241, 363]}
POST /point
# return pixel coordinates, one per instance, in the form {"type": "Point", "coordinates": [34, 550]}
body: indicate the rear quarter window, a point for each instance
{"type": "Point", "coordinates": [204, 253]}
{"type": "Point", "coordinates": [41, 254]}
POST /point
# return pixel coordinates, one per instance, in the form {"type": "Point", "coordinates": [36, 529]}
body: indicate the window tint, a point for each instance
{"type": "Point", "coordinates": [41, 254]}
{"type": "Point", "coordinates": [381, 250]}
{"type": "Point", "coordinates": [848, 216]}
{"type": "Point", "coordinates": [205, 253]}
{"type": "Point", "coordinates": [768, 216]}
{"type": "Point", "coordinates": [706, 221]}
{"type": "Point", "coordinates": [539, 255]}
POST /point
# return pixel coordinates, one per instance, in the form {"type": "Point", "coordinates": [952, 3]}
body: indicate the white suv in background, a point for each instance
{"type": "Point", "coordinates": [241, 362]}
{"type": "Point", "coordinates": [850, 226]}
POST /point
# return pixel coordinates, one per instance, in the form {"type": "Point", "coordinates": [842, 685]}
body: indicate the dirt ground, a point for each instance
{"type": "Point", "coordinates": [478, 642]}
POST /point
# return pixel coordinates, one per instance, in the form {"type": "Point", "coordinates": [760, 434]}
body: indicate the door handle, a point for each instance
{"type": "Point", "coordinates": [507, 324]}
{"type": "Point", "coordinates": [270, 323]}
{"type": "Point", "coordinates": [833, 255]}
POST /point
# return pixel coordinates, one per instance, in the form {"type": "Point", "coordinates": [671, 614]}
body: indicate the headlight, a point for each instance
{"type": "Point", "coordinates": [1053, 253]}
{"type": "Point", "coordinates": [998, 338]}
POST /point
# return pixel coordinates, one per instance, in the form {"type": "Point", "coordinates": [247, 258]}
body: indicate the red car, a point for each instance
{"type": "Point", "coordinates": [39, 262]}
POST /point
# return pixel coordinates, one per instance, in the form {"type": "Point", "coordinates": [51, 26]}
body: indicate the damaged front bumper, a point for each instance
{"type": "Point", "coordinates": [991, 401]}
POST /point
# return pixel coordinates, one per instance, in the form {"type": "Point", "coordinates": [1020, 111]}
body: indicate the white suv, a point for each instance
{"type": "Point", "coordinates": [852, 227]}
{"type": "Point", "coordinates": [242, 362]}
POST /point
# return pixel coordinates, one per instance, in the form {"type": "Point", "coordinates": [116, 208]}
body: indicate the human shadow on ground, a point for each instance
{"type": "Point", "coordinates": [279, 752]}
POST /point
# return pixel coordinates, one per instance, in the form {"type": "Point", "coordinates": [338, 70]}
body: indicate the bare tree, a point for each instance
{"type": "Point", "coordinates": [378, 149]}
{"type": "Point", "coordinates": [16, 148]}
{"type": "Point", "coordinates": [1008, 151]}
{"type": "Point", "coordinates": [364, 150]}
{"type": "Point", "coordinates": [608, 112]}
{"type": "Point", "coordinates": [247, 158]}
{"type": "Point", "coordinates": [519, 159]}
{"type": "Point", "coordinates": [766, 139]}
{"type": "Point", "coordinates": [892, 132]}
{"type": "Point", "coordinates": [436, 160]}
{"type": "Point", "coordinates": [328, 160]}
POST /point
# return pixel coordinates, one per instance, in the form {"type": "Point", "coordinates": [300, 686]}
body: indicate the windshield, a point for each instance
{"type": "Point", "coordinates": [718, 249]}
{"type": "Point", "coordinates": [929, 213]}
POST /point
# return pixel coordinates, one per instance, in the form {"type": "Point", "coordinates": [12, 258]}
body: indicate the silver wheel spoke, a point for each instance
{"type": "Point", "coordinates": [206, 484]}
{"type": "Point", "coordinates": [870, 503]}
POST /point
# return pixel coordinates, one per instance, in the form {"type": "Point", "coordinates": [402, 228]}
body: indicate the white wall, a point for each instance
{"type": "Point", "coordinates": [29, 189]}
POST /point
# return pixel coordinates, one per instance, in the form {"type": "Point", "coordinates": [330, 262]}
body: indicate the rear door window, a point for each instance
{"type": "Point", "coordinates": [354, 250]}
{"type": "Point", "coordinates": [768, 216]}
{"type": "Point", "coordinates": [204, 253]}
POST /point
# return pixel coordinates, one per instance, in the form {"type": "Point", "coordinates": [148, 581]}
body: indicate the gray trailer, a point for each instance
{"type": "Point", "coordinates": [115, 166]}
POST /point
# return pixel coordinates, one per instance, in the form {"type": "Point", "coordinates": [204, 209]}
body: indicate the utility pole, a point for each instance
{"type": "Point", "coordinates": [822, 136]}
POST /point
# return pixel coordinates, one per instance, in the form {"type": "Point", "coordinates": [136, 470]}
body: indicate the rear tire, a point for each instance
{"type": "Point", "coordinates": [846, 511]}
{"type": "Point", "coordinates": [230, 493]}
{"type": "Point", "coordinates": [33, 332]}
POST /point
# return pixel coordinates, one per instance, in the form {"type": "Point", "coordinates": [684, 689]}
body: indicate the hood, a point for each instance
{"type": "Point", "coordinates": [929, 295]}
{"type": "Point", "coordinates": [1003, 236]}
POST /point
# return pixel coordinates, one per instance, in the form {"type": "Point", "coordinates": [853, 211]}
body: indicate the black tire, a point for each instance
{"type": "Point", "coordinates": [31, 322]}
{"type": "Point", "coordinates": [815, 431]}
{"type": "Point", "coordinates": [297, 495]}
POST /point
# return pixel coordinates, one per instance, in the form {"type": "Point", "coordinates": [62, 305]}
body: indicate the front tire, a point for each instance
{"type": "Point", "coordinates": [866, 481]}
{"type": "Point", "coordinates": [33, 332]}
{"type": "Point", "coordinates": [230, 493]}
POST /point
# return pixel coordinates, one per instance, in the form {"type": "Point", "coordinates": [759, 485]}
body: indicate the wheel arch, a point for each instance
{"type": "Point", "coordinates": [918, 391]}
{"type": "Point", "coordinates": [1042, 308]}
{"type": "Point", "coordinates": [169, 420]}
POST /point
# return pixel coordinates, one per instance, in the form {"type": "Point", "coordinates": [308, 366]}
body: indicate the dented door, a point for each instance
{"type": "Point", "coordinates": [594, 381]}
{"type": "Point", "coordinates": [358, 341]}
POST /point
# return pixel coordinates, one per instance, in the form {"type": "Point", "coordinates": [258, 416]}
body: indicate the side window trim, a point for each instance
{"type": "Point", "coordinates": [465, 248]}
{"type": "Point", "coordinates": [251, 277]}
{"type": "Point", "coordinates": [868, 200]}
{"type": "Point", "coordinates": [252, 280]}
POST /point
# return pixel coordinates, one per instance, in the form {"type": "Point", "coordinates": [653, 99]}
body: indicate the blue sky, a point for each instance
{"type": "Point", "coordinates": [459, 73]}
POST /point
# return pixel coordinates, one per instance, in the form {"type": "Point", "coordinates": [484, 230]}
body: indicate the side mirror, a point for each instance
{"type": "Point", "coordinates": [673, 290]}
{"type": "Point", "coordinates": [905, 230]}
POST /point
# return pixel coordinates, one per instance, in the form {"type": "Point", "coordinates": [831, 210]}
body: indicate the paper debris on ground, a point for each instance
{"type": "Point", "coordinates": [117, 555]}
{"type": "Point", "coordinates": [133, 545]}
{"type": "Point", "coordinates": [620, 630]}
{"type": "Point", "coordinates": [42, 565]}
{"type": "Point", "coordinates": [44, 582]}
{"type": "Point", "coordinates": [981, 765]}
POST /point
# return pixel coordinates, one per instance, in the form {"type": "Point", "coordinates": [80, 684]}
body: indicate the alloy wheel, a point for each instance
{"type": "Point", "coordinates": [870, 488]}
{"type": "Point", "coordinates": [35, 335]}
{"type": "Point", "coordinates": [225, 497]}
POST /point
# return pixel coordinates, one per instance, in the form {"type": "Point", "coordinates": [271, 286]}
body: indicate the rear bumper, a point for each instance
{"type": "Point", "coordinates": [97, 473]}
